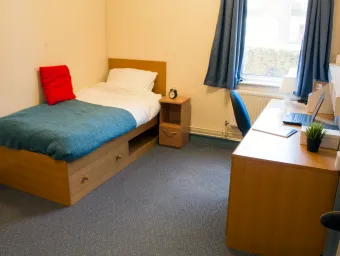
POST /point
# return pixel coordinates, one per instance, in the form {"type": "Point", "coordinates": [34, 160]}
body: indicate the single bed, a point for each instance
{"type": "Point", "coordinates": [71, 177]}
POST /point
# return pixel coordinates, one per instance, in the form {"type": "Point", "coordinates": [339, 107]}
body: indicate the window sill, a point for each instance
{"type": "Point", "coordinates": [272, 84]}
{"type": "Point", "coordinates": [271, 87]}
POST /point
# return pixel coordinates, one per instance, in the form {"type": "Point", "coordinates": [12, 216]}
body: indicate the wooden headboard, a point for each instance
{"type": "Point", "coordinates": [154, 66]}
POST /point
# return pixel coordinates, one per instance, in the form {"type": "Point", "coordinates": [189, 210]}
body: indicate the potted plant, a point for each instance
{"type": "Point", "coordinates": [314, 133]}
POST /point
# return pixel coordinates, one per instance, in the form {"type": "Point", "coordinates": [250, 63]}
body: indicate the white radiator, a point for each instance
{"type": "Point", "coordinates": [255, 103]}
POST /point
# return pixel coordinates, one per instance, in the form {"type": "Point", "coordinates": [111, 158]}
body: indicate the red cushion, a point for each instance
{"type": "Point", "coordinates": [57, 84]}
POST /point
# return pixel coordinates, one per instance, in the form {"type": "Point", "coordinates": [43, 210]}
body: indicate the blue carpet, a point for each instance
{"type": "Point", "coordinates": [169, 202]}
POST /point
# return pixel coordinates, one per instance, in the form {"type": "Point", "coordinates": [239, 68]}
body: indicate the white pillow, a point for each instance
{"type": "Point", "coordinates": [138, 78]}
{"type": "Point", "coordinates": [151, 86]}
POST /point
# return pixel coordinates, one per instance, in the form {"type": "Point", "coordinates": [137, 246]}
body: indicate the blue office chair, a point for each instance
{"type": "Point", "coordinates": [241, 113]}
{"type": "Point", "coordinates": [331, 220]}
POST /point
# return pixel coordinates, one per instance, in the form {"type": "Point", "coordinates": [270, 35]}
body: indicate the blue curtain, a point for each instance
{"type": "Point", "coordinates": [228, 48]}
{"type": "Point", "coordinates": [315, 52]}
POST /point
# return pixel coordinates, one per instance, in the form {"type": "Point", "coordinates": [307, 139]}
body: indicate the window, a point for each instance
{"type": "Point", "coordinates": [274, 34]}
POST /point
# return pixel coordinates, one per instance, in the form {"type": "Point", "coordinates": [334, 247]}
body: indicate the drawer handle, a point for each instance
{"type": "Point", "coordinates": [169, 134]}
{"type": "Point", "coordinates": [120, 156]}
{"type": "Point", "coordinates": [84, 180]}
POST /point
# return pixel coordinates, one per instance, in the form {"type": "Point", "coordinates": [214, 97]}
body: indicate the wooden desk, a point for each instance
{"type": "Point", "coordinates": [278, 190]}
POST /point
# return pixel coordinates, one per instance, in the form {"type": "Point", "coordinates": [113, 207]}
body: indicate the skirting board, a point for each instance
{"type": "Point", "coordinates": [207, 132]}
{"type": "Point", "coordinates": [231, 133]}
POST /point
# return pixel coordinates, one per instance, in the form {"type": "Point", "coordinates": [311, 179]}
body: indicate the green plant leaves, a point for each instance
{"type": "Point", "coordinates": [315, 132]}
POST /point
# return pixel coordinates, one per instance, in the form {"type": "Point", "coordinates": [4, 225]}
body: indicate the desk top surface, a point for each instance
{"type": "Point", "coordinates": [267, 147]}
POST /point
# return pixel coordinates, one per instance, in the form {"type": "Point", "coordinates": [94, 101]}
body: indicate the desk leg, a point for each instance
{"type": "Point", "coordinates": [274, 209]}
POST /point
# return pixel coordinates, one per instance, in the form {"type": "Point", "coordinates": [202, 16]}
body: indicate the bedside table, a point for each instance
{"type": "Point", "coordinates": [175, 120]}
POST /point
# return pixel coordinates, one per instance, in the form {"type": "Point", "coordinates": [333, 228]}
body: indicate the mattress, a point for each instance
{"type": "Point", "coordinates": [72, 129]}
{"type": "Point", "coordinates": [142, 104]}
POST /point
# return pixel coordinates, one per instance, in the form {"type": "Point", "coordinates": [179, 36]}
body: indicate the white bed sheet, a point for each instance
{"type": "Point", "coordinates": [142, 104]}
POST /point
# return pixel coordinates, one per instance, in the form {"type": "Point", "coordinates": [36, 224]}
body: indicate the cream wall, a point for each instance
{"type": "Point", "coordinates": [39, 32]}
{"type": "Point", "coordinates": [49, 32]}
{"type": "Point", "coordinates": [181, 33]}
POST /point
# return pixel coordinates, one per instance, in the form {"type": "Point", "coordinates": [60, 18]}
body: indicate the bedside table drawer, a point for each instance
{"type": "Point", "coordinates": [172, 136]}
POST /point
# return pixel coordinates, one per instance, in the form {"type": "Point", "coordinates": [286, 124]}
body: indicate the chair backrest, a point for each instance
{"type": "Point", "coordinates": [241, 113]}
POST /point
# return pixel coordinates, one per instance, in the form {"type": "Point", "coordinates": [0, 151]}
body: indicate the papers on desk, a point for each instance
{"type": "Point", "coordinates": [281, 131]}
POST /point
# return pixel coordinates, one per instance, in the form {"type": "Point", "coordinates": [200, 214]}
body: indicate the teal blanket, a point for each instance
{"type": "Point", "coordinates": [66, 131]}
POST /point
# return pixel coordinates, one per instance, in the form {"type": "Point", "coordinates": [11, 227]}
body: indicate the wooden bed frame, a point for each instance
{"type": "Point", "coordinates": [66, 183]}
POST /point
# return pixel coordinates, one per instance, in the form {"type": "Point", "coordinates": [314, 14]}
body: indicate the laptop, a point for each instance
{"type": "Point", "coordinates": [305, 119]}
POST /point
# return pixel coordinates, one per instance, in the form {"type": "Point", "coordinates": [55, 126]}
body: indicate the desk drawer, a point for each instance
{"type": "Point", "coordinates": [102, 169]}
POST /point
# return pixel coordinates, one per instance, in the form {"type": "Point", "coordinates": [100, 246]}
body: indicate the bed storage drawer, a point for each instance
{"type": "Point", "coordinates": [102, 169]}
